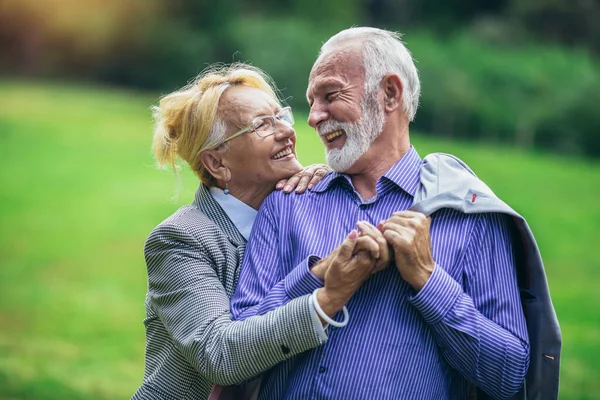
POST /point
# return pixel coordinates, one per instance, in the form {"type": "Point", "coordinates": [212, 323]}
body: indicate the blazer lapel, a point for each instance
{"type": "Point", "coordinates": [209, 207]}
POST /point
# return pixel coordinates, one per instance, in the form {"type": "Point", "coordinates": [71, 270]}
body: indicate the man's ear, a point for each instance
{"type": "Point", "coordinates": [392, 92]}
{"type": "Point", "coordinates": [215, 164]}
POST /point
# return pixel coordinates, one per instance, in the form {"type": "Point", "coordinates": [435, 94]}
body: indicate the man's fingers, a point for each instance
{"type": "Point", "coordinates": [394, 238]}
{"type": "Point", "coordinates": [409, 218]}
{"type": "Point", "coordinates": [367, 243]}
{"type": "Point", "coordinates": [385, 255]}
{"type": "Point", "coordinates": [408, 214]}
{"type": "Point", "coordinates": [402, 221]}
{"type": "Point", "coordinates": [384, 249]}
{"type": "Point", "coordinates": [367, 229]}
{"type": "Point", "coordinates": [394, 226]}
{"type": "Point", "coordinates": [399, 237]}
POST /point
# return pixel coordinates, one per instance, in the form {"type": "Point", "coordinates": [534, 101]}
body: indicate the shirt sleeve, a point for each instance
{"type": "Point", "coordinates": [480, 326]}
{"type": "Point", "coordinates": [186, 295]}
{"type": "Point", "coordinates": [262, 286]}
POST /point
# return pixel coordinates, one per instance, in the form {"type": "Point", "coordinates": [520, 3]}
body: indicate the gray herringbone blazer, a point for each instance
{"type": "Point", "coordinates": [193, 260]}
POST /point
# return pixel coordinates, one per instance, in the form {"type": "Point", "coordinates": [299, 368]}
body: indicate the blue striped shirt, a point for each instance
{"type": "Point", "coordinates": [465, 326]}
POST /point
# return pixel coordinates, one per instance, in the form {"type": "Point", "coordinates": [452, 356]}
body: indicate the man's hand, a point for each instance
{"type": "Point", "coordinates": [369, 240]}
{"type": "Point", "coordinates": [408, 234]}
{"type": "Point", "coordinates": [346, 268]}
{"type": "Point", "coordinates": [384, 250]}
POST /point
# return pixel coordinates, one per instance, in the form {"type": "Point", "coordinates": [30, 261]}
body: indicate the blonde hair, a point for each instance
{"type": "Point", "coordinates": [188, 120]}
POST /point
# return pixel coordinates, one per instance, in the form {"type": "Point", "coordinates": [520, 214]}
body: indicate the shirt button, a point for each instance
{"type": "Point", "coordinates": [363, 206]}
{"type": "Point", "coordinates": [285, 349]}
{"type": "Point", "coordinates": [322, 369]}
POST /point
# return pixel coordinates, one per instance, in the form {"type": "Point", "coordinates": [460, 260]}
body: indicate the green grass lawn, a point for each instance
{"type": "Point", "coordinates": [80, 193]}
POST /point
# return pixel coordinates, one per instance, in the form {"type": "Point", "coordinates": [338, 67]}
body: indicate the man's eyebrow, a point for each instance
{"type": "Point", "coordinates": [323, 86]}
{"type": "Point", "coordinates": [328, 85]}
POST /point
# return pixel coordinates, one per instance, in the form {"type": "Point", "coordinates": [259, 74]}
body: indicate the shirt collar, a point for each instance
{"type": "Point", "coordinates": [240, 213]}
{"type": "Point", "coordinates": [404, 173]}
{"type": "Point", "coordinates": [328, 181]}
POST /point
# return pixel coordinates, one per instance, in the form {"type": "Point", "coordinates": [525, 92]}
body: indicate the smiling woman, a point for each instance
{"type": "Point", "coordinates": [231, 129]}
{"type": "Point", "coordinates": [258, 155]}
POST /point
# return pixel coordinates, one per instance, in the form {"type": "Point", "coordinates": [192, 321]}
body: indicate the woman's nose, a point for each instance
{"type": "Point", "coordinates": [283, 131]}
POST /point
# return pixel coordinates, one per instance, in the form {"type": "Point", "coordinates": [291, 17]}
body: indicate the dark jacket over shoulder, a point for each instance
{"type": "Point", "coordinates": [447, 182]}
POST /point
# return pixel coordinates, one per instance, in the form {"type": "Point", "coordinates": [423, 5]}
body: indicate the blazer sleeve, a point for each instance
{"type": "Point", "coordinates": [186, 294]}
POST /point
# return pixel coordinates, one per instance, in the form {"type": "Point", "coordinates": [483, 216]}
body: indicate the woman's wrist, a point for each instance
{"type": "Point", "coordinates": [330, 305]}
{"type": "Point", "coordinates": [327, 309]}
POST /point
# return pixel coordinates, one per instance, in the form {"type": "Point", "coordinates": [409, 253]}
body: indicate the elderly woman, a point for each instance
{"type": "Point", "coordinates": [237, 138]}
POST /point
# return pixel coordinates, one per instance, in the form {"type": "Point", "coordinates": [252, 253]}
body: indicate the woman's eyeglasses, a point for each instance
{"type": "Point", "coordinates": [265, 125]}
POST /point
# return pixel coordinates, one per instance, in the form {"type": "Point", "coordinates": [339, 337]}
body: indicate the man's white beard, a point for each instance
{"type": "Point", "coordinates": [359, 135]}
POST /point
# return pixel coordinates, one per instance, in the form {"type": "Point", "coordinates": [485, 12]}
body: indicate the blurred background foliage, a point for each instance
{"type": "Point", "coordinates": [512, 87]}
{"type": "Point", "coordinates": [522, 73]}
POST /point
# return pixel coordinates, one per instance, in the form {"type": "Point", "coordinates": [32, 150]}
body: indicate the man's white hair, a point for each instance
{"type": "Point", "coordinates": [383, 53]}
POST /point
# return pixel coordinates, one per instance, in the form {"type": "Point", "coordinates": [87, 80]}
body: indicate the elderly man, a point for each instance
{"type": "Point", "coordinates": [445, 319]}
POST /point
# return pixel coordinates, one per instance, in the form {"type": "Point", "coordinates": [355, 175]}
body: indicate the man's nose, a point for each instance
{"type": "Point", "coordinates": [316, 115]}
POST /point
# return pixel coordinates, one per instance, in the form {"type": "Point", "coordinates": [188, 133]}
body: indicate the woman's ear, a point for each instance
{"type": "Point", "coordinates": [215, 164]}
{"type": "Point", "coordinates": [392, 90]}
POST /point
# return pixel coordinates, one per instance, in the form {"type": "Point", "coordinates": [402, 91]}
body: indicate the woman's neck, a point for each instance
{"type": "Point", "coordinates": [252, 196]}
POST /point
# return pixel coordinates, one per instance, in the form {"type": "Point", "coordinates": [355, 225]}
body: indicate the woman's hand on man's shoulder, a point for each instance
{"type": "Point", "coordinates": [307, 178]}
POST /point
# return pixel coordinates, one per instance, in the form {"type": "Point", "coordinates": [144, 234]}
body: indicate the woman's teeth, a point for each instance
{"type": "Point", "coordinates": [282, 153]}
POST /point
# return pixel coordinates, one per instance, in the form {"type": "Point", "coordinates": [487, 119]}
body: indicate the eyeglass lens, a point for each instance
{"type": "Point", "coordinates": [265, 126]}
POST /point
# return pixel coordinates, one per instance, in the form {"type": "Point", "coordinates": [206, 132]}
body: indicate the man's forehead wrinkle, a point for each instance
{"type": "Point", "coordinates": [331, 71]}
{"type": "Point", "coordinates": [346, 59]}
{"type": "Point", "coordinates": [336, 66]}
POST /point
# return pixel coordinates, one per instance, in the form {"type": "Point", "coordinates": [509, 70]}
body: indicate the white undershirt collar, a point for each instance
{"type": "Point", "coordinates": [240, 213]}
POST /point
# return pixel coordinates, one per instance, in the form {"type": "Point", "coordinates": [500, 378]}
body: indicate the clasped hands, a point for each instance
{"type": "Point", "coordinates": [403, 239]}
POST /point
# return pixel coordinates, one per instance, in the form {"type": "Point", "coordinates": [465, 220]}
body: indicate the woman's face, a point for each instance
{"type": "Point", "coordinates": [256, 162]}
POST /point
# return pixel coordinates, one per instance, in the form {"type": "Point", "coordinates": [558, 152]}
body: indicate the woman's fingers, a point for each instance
{"type": "Point", "coordinates": [319, 174]}
{"type": "Point", "coordinates": [384, 258]}
{"type": "Point", "coordinates": [368, 244]}
{"type": "Point", "coordinates": [304, 179]}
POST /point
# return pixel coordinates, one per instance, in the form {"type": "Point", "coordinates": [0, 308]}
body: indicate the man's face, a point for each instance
{"type": "Point", "coordinates": [346, 119]}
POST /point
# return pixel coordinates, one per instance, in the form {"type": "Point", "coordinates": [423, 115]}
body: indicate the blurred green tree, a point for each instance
{"type": "Point", "coordinates": [484, 73]}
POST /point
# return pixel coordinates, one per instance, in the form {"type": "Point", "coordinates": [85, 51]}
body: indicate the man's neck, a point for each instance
{"type": "Point", "coordinates": [385, 151]}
